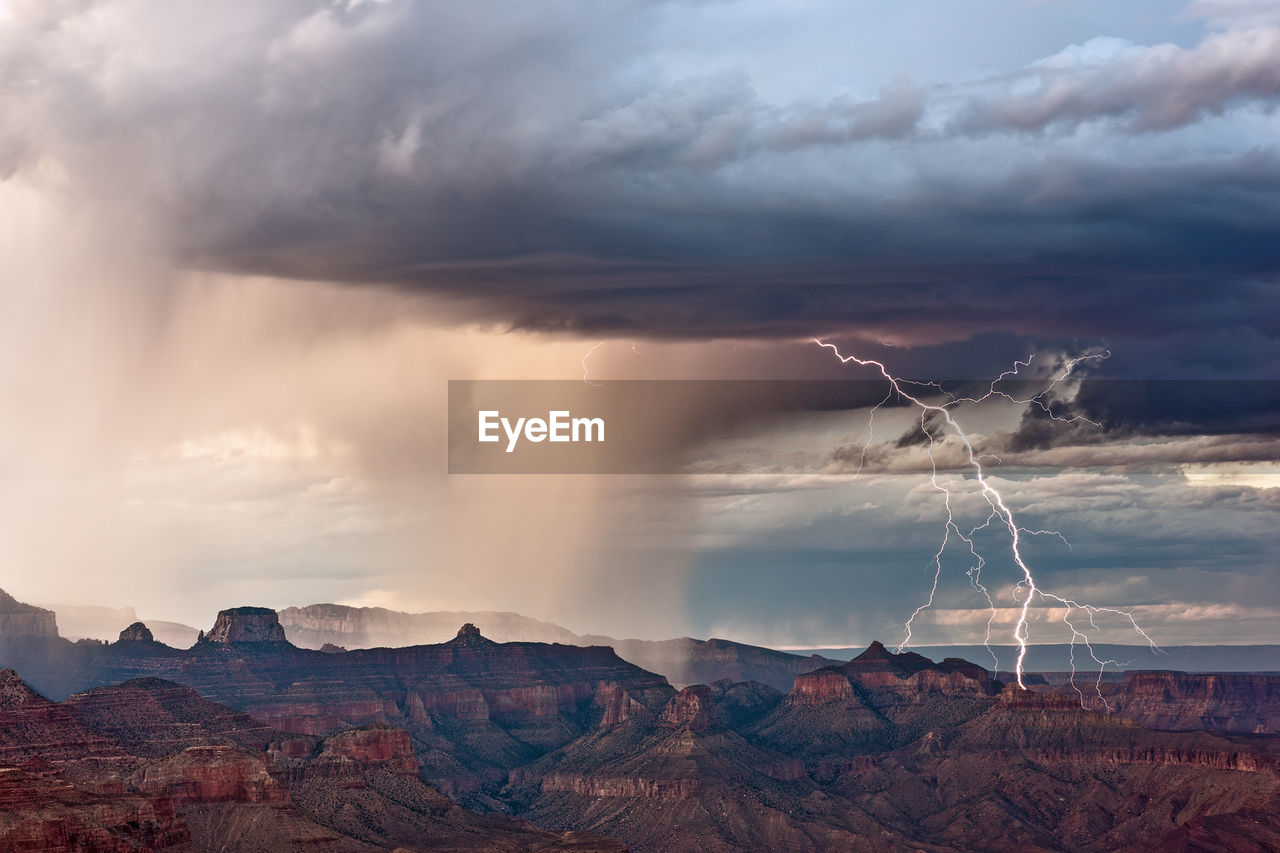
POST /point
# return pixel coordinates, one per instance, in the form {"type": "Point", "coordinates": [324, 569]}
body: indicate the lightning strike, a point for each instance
{"type": "Point", "coordinates": [586, 371]}
{"type": "Point", "coordinates": [1026, 588]}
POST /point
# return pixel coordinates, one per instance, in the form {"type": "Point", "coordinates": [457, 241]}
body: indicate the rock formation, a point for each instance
{"type": "Point", "coordinates": [67, 783]}
{"type": "Point", "coordinates": [384, 747]}
{"type": "Point", "coordinates": [475, 708]}
{"type": "Point", "coordinates": [681, 661]}
{"type": "Point", "coordinates": [692, 708]}
{"type": "Point", "coordinates": [246, 625]}
{"type": "Point", "coordinates": [25, 620]}
{"type": "Point", "coordinates": [137, 633]}
{"type": "Point", "coordinates": [1181, 701]}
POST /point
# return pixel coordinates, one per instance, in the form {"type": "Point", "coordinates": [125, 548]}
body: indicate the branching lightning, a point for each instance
{"type": "Point", "coordinates": [1026, 590]}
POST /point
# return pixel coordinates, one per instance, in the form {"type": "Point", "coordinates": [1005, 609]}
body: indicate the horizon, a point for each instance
{"type": "Point", "coordinates": [795, 649]}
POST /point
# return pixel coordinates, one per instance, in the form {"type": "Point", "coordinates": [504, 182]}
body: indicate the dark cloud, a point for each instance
{"type": "Point", "coordinates": [1124, 409]}
{"type": "Point", "coordinates": [546, 170]}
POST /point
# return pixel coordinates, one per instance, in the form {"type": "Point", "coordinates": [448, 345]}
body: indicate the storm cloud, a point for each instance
{"type": "Point", "coordinates": [577, 167]}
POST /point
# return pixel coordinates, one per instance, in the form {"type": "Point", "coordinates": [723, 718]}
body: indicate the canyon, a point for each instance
{"type": "Point", "coordinates": [244, 739]}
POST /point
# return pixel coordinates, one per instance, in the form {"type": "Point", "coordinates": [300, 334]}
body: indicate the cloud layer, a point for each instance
{"type": "Point", "coordinates": [572, 168]}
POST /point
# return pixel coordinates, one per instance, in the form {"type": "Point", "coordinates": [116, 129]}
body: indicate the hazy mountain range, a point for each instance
{"type": "Point", "coordinates": [682, 661]}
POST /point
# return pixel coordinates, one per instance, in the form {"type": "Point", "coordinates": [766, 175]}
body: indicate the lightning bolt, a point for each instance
{"type": "Point", "coordinates": [586, 371]}
{"type": "Point", "coordinates": [1001, 514]}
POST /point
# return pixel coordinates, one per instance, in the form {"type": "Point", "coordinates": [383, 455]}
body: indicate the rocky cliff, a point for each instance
{"type": "Point", "coordinates": [897, 752]}
{"type": "Point", "coordinates": [74, 779]}
{"type": "Point", "coordinates": [25, 620]}
{"type": "Point", "coordinates": [246, 625]}
{"type": "Point", "coordinates": [886, 752]}
{"type": "Point", "coordinates": [1180, 701]}
{"type": "Point", "coordinates": [476, 708]}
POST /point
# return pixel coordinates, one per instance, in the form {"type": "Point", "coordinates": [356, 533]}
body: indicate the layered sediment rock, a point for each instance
{"type": "Point", "coordinates": [693, 708]}
{"type": "Point", "coordinates": [46, 813]}
{"type": "Point", "coordinates": [476, 708]}
{"type": "Point", "coordinates": [911, 674]}
{"type": "Point", "coordinates": [354, 750]}
{"type": "Point", "coordinates": [818, 688]}
{"type": "Point", "coordinates": [1181, 701]}
{"type": "Point", "coordinates": [213, 779]}
{"type": "Point", "coordinates": [151, 717]}
{"type": "Point", "coordinates": [33, 728]}
{"type": "Point", "coordinates": [210, 774]}
{"type": "Point", "coordinates": [25, 620]}
{"type": "Point", "coordinates": [246, 625]}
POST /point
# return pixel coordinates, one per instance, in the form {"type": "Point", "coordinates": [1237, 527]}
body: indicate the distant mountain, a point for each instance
{"type": "Point", "coordinates": [80, 622]}
{"type": "Point", "coordinates": [371, 627]}
{"type": "Point", "coordinates": [1057, 657]}
{"type": "Point", "coordinates": [687, 661]}
{"type": "Point", "coordinates": [173, 633]}
{"type": "Point", "coordinates": [681, 661]}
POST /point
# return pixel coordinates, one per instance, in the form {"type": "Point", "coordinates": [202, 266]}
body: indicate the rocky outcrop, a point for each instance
{"type": "Point", "coordinates": [33, 728]}
{"type": "Point", "coordinates": [210, 774]}
{"type": "Point", "coordinates": [1056, 728]}
{"type": "Point", "coordinates": [818, 688]}
{"type": "Point", "coordinates": [738, 704]}
{"type": "Point", "coordinates": [40, 811]}
{"type": "Point", "coordinates": [914, 675]}
{"type": "Point", "coordinates": [616, 704]}
{"type": "Point", "coordinates": [692, 708]}
{"type": "Point", "coordinates": [880, 679]}
{"type": "Point", "coordinates": [152, 718]}
{"type": "Point", "coordinates": [1181, 701]}
{"type": "Point", "coordinates": [25, 620]}
{"type": "Point", "coordinates": [624, 788]}
{"type": "Point", "coordinates": [355, 750]}
{"type": "Point", "coordinates": [213, 779]}
{"type": "Point", "coordinates": [137, 633]}
{"type": "Point", "coordinates": [246, 625]}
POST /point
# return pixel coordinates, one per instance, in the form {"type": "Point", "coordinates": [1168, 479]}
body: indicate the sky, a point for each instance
{"type": "Point", "coordinates": [244, 247]}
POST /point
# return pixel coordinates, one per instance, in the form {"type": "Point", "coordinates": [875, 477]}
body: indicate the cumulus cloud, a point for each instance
{"type": "Point", "coordinates": [1149, 88]}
